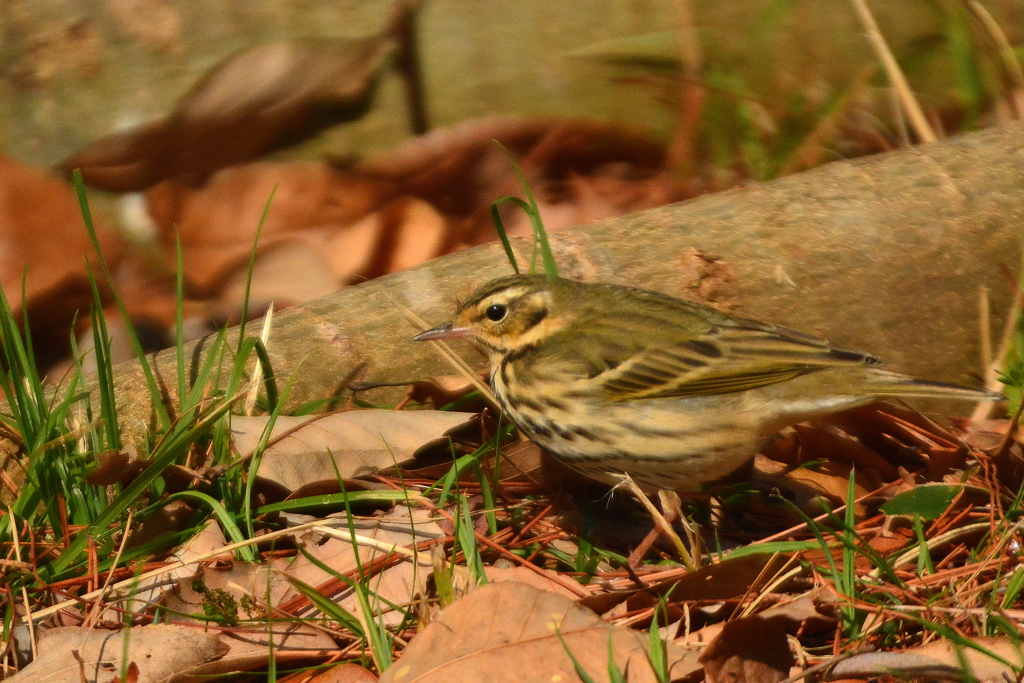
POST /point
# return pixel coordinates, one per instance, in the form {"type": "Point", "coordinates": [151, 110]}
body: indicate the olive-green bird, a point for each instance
{"type": "Point", "coordinates": [613, 380]}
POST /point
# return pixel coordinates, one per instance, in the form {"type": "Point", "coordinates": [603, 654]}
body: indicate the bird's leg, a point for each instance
{"type": "Point", "coordinates": [671, 504]}
{"type": "Point", "coordinates": [636, 557]}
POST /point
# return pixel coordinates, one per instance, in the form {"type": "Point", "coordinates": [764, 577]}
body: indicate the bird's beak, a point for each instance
{"type": "Point", "coordinates": [445, 331]}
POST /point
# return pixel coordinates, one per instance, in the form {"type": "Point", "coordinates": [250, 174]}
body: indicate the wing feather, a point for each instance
{"type": "Point", "coordinates": [721, 360]}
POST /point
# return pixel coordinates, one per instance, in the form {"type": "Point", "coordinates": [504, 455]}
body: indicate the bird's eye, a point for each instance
{"type": "Point", "coordinates": [496, 312]}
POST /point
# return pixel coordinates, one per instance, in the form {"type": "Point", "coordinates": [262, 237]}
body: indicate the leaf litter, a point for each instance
{"type": "Point", "coordinates": [785, 587]}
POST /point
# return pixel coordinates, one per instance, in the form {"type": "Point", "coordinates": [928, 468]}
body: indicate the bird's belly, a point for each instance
{"type": "Point", "coordinates": [661, 443]}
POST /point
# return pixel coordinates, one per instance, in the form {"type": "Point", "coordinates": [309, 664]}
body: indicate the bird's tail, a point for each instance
{"type": "Point", "coordinates": [883, 383]}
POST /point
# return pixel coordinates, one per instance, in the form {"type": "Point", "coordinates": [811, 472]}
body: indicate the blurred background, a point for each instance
{"type": "Point", "coordinates": [372, 123]}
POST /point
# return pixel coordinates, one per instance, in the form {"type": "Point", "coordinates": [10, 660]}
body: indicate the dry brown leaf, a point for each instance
{"type": "Point", "coordinates": [131, 674]}
{"type": "Point", "coordinates": [218, 221]}
{"type": "Point", "coordinates": [344, 673]}
{"type": "Point", "coordinates": [580, 170]}
{"type": "Point", "coordinates": [110, 469]}
{"type": "Point", "coordinates": [161, 651]}
{"type": "Point", "coordinates": [818, 442]}
{"type": "Point", "coordinates": [892, 430]}
{"type": "Point", "coordinates": [250, 645]}
{"type": "Point", "coordinates": [529, 577]}
{"type": "Point", "coordinates": [298, 266]}
{"type": "Point", "coordinates": [985, 435]}
{"type": "Point", "coordinates": [326, 487]}
{"type": "Point", "coordinates": [346, 444]}
{"type": "Point", "coordinates": [431, 196]}
{"type": "Point", "coordinates": [414, 232]}
{"type": "Point", "coordinates": [730, 578]}
{"type": "Point", "coordinates": [400, 584]}
{"type": "Point", "coordinates": [520, 461]}
{"type": "Point", "coordinates": [807, 613]}
{"type": "Point", "coordinates": [324, 229]}
{"type": "Point", "coordinates": [804, 614]}
{"type": "Point", "coordinates": [293, 642]}
{"type": "Point", "coordinates": [491, 634]}
{"type": "Point", "coordinates": [988, 436]}
{"type": "Point", "coordinates": [292, 271]}
{"type": "Point", "coordinates": [464, 156]}
{"type": "Point", "coordinates": [43, 238]}
{"type": "Point", "coordinates": [938, 660]}
{"type": "Point", "coordinates": [256, 100]}
{"type": "Point", "coordinates": [748, 650]}
{"type": "Point", "coordinates": [702, 637]}
{"type": "Point", "coordinates": [172, 517]}
{"type": "Point", "coordinates": [440, 391]}
{"type": "Point", "coordinates": [806, 487]}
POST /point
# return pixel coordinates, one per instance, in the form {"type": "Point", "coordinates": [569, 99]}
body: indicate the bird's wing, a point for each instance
{"type": "Point", "coordinates": [723, 359]}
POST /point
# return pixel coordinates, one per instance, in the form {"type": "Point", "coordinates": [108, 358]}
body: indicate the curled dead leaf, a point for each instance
{"type": "Point", "coordinates": [990, 659]}
{"type": "Point", "coordinates": [303, 450]}
{"type": "Point", "coordinates": [441, 391]}
{"type": "Point", "coordinates": [110, 468]}
{"type": "Point", "coordinates": [256, 100]}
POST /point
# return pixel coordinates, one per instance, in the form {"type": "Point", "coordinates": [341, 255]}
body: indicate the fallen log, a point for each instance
{"type": "Point", "coordinates": [885, 254]}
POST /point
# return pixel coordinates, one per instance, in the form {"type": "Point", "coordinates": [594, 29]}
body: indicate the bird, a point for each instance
{"type": "Point", "coordinates": [613, 380]}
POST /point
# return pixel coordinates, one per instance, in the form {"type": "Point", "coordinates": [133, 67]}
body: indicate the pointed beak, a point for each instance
{"type": "Point", "coordinates": [445, 331]}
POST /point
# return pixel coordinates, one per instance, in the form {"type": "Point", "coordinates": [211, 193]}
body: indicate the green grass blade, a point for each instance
{"type": "Point", "coordinates": [328, 607]}
{"type": "Point", "coordinates": [466, 534]}
{"type": "Point", "coordinates": [924, 557]}
{"type": "Point", "coordinates": [252, 265]}
{"type": "Point", "coordinates": [30, 368]}
{"type": "Point", "coordinates": [1013, 588]}
{"type": "Point", "coordinates": [377, 634]}
{"type": "Point", "coordinates": [580, 671]}
{"type": "Point", "coordinates": [173, 446]}
{"type": "Point", "coordinates": [227, 522]}
{"type": "Point", "coordinates": [104, 367]}
{"type": "Point", "coordinates": [311, 504]}
{"type": "Point", "coordinates": [849, 547]}
{"type": "Point", "coordinates": [151, 383]}
{"type": "Point", "coordinates": [971, 85]}
{"type": "Point", "coordinates": [615, 674]}
{"type": "Point", "coordinates": [254, 464]}
{"type": "Point", "coordinates": [179, 317]}
{"type": "Point", "coordinates": [499, 226]}
{"type": "Point", "coordinates": [657, 654]}
{"type": "Point", "coordinates": [539, 233]}
{"type": "Point", "coordinates": [204, 377]}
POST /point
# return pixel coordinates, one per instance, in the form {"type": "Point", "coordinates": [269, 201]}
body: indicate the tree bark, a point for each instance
{"type": "Point", "coordinates": [884, 254]}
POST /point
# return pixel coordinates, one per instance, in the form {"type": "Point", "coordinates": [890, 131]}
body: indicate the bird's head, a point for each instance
{"type": "Point", "coordinates": [509, 313]}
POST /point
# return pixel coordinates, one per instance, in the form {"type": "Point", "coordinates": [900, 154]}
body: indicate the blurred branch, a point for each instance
{"type": "Point", "coordinates": [1005, 57]}
{"type": "Point", "coordinates": [893, 71]}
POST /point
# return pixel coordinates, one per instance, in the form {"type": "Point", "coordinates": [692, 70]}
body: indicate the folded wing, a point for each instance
{"type": "Point", "coordinates": [724, 359]}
